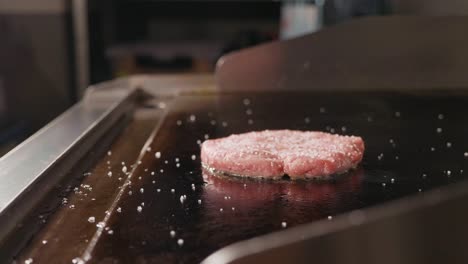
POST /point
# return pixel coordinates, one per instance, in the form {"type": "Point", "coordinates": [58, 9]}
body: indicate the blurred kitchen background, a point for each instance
{"type": "Point", "coordinates": [50, 51]}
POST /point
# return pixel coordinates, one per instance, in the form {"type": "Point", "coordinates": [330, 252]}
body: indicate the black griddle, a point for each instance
{"type": "Point", "coordinates": [399, 130]}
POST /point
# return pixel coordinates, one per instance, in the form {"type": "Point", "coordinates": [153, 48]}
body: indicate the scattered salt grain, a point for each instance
{"type": "Point", "coordinates": [92, 219]}
{"type": "Point", "coordinates": [284, 224]}
{"type": "Point", "coordinates": [109, 174]}
{"type": "Point", "coordinates": [172, 233]}
{"type": "Point", "coordinates": [139, 209]}
{"type": "Point", "coordinates": [180, 242]}
{"type": "Point", "coordinates": [157, 155]}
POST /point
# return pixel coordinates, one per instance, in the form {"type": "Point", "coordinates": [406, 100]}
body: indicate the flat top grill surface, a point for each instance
{"type": "Point", "coordinates": [413, 143]}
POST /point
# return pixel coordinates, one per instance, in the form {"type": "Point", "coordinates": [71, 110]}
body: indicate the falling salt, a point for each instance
{"type": "Point", "coordinates": [142, 190]}
{"type": "Point", "coordinates": [439, 130]}
{"type": "Point", "coordinates": [153, 182]}
{"type": "Point", "coordinates": [397, 114]}
{"type": "Point", "coordinates": [182, 198]}
{"type": "Point", "coordinates": [199, 201]}
{"type": "Point", "coordinates": [177, 165]}
{"type": "Point", "coordinates": [383, 184]}
{"type": "Point", "coordinates": [180, 242]}
{"type": "Point", "coordinates": [139, 209]}
{"type": "Point", "coordinates": [172, 191]}
{"type": "Point", "coordinates": [28, 261]}
{"type": "Point", "coordinates": [124, 169]}
{"type": "Point", "coordinates": [465, 154]}
{"type": "Point", "coordinates": [101, 225]}
{"type": "Point", "coordinates": [142, 204]}
{"type": "Point", "coordinates": [158, 190]}
{"type": "Point", "coordinates": [449, 144]}
{"type": "Point", "coordinates": [157, 155]}
{"type": "Point", "coordinates": [179, 122]}
{"type": "Point", "coordinates": [307, 120]}
{"type": "Point", "coordinates": [130, 192]}
{"type": "Point", "coordinates": [148, 149]}
{"type": "Point", "coordinates": [44, 242]}
{"type": "Point", "coordinates": [322, 110]}
{"type": "Point", "coordinates": [193, 186]}
{"type": "Point", "coordinates": [110, 232]}
{"type": "Point", "coordinates": [392, 180]}
{"type": "Point", "coordinates": [119, 209]}
{"type": "Point", "coordinates": [246, 101]}
{"type": "Point", "coordinates": [192, 118]}
{"type": "Point", "coordinates": [194, 157]}
{"type": "Point", "coordinates": [449, 172]}
{"type": "Point", "coordinates": [249, 112]}
{"type": "Point", "coordinates": [176, 159]}
{"type": "Point", "coordinates": [77, 261]}
{"type": "Point", "coordinates": [221, 209]}
{"type": "Point", "coordinates": [109, 174]}
{"type": "Point", "coordinates": [224, 124]}
{"type": "Point", "coordinates": [284, 224]}
{"type": "Point", "coordinates": [152, 173]}
{"type": "Point", "coordinates": [92, 219]}
{"type": "Point", "coordinates": [330, 217]}
{"type": "Point", "coordinates": [109, 153]}
{"type": "Point", "coordinates": [233, 208]}
{"type": "Point", "coordinates": [206, 136]}
{"type": "Point", "coordinates": [172, 233]}
{"type": "Point", "coordinates": [343, 129]}
{"type": "Point", "coordinates": [213, 122]}
{"type": "Point", "coordinates": [440, 116]}
{"type": "Point", "coordinates": [250, 121]}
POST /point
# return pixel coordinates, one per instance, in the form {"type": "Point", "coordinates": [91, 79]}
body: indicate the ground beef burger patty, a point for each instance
{"type": "Point", "coordinates": [275, 153]}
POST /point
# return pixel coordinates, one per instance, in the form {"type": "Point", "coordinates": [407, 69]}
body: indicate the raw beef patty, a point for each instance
{"type": "Point", "coordinates": [274, 153]}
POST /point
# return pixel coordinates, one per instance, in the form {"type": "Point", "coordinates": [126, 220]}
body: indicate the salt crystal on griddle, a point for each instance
{"type": "Point", "coordinates": [392, 180]}
{"type": "Point", "coordinates": [109, 174]}
{"type": "Point", "coordinates": [152, 173]}
{"type": "Point", "coordinates": [284, 224]}
{"type": "Point", "coordinates": [153, 182]}
{"type": "Point", "coordinates": [119, 209]}
{"type": "Point", "coordinates": [383, 184]}
{"type": "Point", "coordinates": [432, 149]}
{"type": "Point", "coordinates": [176, 159]}
{"type": "Point", "coordinates": [148, 149]}
{"type": "Point", "coordinates": [172, 233]}
{"type": "Point", "coordinates": [343, 129]}
{"type": "Point", "coordinates": [161, 170]}
{"type": "Point", "coordinates": [100, 224]}
{"type": "Point", "coordinates": [192, 118]}
{"type": "Point", "coordinates": [124, 169]}
{"type": "Point", "coordinates": [139, 209]}
{"type": "Point", "coordinates": [449, 172]}
{"type": "Point", "coordinates": [157, 155]}
{"type": "Point", "coordinates": [233, 208]}
{"type": "Point", "coordinates": [198, 142]}
{"type": "Point", "coordinates": [92, 219]}
{"type": "Point", "coordinates": [77, 261]}
{"type": "Point", "coordinates": [142, 204]}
